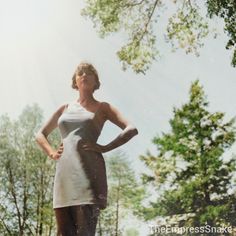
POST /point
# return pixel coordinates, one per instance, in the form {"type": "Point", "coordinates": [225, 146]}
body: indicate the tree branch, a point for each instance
{"type": "Point", "coordinates": [5, 225]}
{"type": "Point", "coordinates": [15, 199]}
{"type": "Point", "coordinates": [148, 21]}
{"type": "Point", "coordinates": [133, 4]}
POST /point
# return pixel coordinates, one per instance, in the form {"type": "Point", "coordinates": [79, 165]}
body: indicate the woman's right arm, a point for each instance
{"type": "Point", "coordinates": [46, 129]}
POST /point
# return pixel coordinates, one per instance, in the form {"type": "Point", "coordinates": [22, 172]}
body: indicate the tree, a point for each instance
{"type": "Point", "coordinates": [186, 27]}
{"type": "Point", "coordinates": [124, 196]}
{"type": "Point", "coordinates": [189, 172]}
{"type": "Point", "coordinates": [26, 177]}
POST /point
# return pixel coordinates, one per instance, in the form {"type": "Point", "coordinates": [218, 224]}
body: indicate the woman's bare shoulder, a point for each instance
{"type": "Point", "coordinates": [110, 110]}
{"type": "Point", "coordinates": [107, 105]}
{"type": "Point", "coordinates": [105, 108]}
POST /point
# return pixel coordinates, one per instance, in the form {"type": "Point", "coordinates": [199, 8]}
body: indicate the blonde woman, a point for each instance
{"type": "Point", "coordinates": [80, 182]}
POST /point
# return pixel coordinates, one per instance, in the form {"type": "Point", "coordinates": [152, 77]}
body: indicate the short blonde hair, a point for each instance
{"type": "Point", "coordinates": [90, 67]}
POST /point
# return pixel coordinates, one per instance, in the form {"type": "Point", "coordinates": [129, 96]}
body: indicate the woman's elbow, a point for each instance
{"type": "Point", "coordinates": [133, 130]}
{"type": "Point", "coordinates": [38, 136]}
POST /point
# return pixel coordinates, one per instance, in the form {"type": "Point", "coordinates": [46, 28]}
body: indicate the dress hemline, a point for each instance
{"type": "Point", "coordinates": [79, 203]}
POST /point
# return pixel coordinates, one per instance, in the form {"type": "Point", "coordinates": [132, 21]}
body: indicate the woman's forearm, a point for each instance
{"type": "Point", "coordinates": [43, 143]}
{"type": "Point", "coordinates": [122, 138]}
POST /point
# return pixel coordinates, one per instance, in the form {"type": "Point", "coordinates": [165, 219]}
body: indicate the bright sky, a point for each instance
{"type": "Point", "coordinates": [42, 42]}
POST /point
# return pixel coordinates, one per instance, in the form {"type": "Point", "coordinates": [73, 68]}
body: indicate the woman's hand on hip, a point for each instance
{"type": "Point", "coordinates": [55, 155]}
{"type": "Point", "coordinates": [89, 146]}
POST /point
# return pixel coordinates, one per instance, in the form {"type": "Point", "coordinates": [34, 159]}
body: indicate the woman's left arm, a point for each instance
{"type": "Point", "coordinates": [128, 130]}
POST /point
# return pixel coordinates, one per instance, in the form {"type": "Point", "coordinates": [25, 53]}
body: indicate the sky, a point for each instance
{"type": "Point", "coordinates": [42, 42]}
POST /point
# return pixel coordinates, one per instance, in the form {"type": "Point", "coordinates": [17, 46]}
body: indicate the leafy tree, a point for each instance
{"type": "Point", "coordinates": [226, 9]}
{"type": "Point", "coordinates": [26, 177]}
{"type": "Point", "coordinates": [186, 27]}
{"type": "Point", "coordinates": [132, 232]}
{"type": "Point", "coordinates": [124, 196]}
{"type": "Point", "coordinates": [189, 172]}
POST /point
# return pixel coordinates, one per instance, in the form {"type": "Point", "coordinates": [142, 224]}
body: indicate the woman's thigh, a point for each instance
{"type": "Point", "coordinates": [64, 220]}
{"type": "Point", "coordinates": [78, 220]}
{"type": "Point", "coordinates": [85, 218]}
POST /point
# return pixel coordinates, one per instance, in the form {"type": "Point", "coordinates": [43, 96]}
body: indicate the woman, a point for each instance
{"type": "Point", "coordinates": [80, 183]}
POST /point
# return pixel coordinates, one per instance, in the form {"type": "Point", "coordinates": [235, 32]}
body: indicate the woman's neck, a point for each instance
{"type": "Point", "coordinates": [85, 98]}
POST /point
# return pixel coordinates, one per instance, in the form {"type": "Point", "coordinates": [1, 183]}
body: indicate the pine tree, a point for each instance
{"type": "Point", "coordinates": [189, 172]}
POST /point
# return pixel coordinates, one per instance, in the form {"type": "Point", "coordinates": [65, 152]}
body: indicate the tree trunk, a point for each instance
{"type": "Point", "coordinates": [117, 208]}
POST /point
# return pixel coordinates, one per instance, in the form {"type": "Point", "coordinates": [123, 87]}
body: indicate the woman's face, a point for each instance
{"type": "Point", "coordinates": [85, 79]}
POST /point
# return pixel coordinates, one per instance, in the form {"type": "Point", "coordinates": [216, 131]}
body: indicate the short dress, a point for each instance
{"type": "Point", "coordinates": [80, 176]}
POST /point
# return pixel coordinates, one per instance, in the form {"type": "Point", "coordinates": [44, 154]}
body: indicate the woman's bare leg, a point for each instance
{"type": "Point", "coordinates": [85, 219]}
{"type": "Point", "coordinates": [65, 226]}
{"type": "Point", "coordinates": [80, 220]}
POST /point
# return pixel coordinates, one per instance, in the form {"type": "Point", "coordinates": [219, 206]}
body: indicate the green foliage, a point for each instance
{"type": "Point", "coordinates": [26, 177]}
{"type": "Point", "coordinates": [136, 18]}
{"type": "Point", "coordinates": [107, 221]}
{"type": "Point", "coordinates": [186, 28]}
{"type": "Point", "coordinates": [131, 232]}
{"type": "Point", "coordinates": [226, 9]}
{"type": "Point", "coordinates": [189, 171]}
{"type": "Point", "coordinates": [106, 15]}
